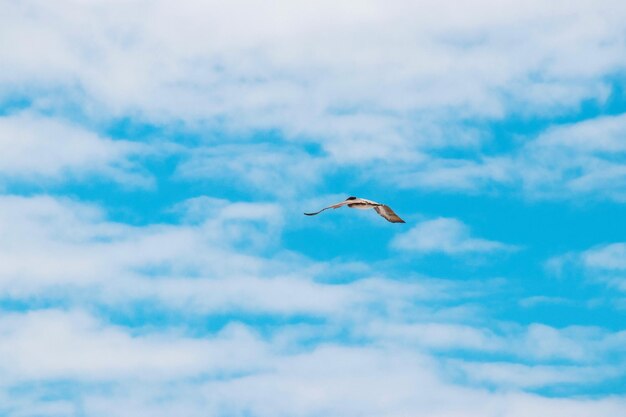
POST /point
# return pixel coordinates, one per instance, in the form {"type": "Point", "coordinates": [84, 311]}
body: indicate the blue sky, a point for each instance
{"type": "Point", "coordinates": [156, 159]}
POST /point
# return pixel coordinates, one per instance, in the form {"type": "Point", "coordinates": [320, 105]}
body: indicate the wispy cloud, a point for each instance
{"type": "Point", "coordinates": [225, 258]}
{"type": "Point", "coordinates": [51, 345]}
{"type": "Point", "coordinates": [374, 94]}
{"type": "Point", "coordinates": [587, 157]}
{"type": "Point", "coordinates": [601, 258]}
{"type": "Point", "coordinates": [409, 101]}
{"type": "Point", "coordinates": [608, 257]}
{"type": "Point", "coordinates": [237, 370]}
{"type": "Point", "coordinates": [603, 263]}
{"type": "Point", "coordinates": [514, 375]}
{"type": "Point", "coordinates": [584, 158]}
{"type": "Point", "coordinates": [261, 168]}
{"type": "Point", "coordinates": [535, 343]}
{"type": "Point", "coordinates": [351, 334]}
{"type": "Point", "coordinates": [445, 235]}
{"type": "Point", "coordinates": [47, 149]}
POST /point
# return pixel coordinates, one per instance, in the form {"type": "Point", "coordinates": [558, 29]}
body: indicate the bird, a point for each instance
{"type": "Point", "coordinates": [363, 204]}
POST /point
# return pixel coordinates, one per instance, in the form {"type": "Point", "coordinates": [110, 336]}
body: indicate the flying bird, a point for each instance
{"type": "Point", "coordinates": [363, 204]}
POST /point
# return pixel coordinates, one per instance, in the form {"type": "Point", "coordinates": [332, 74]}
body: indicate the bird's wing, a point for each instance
{"type": "Point", "coordinates": [334, 206]}
{"type": "Point", "coordinates": [388, 214]}
{"type": "Point", "coordinates": [362, 200]}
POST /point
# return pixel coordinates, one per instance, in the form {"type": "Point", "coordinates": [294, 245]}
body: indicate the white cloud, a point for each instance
{"type": "Point", "coordinates": [236, 371]}
{"type": "Point", "coordinates": [530, 302]}
{"type": "Point", "coordinates": [456, 174]}
{"type": "Point", "coordinates": [438, 336]}
{"type": "Point", "coordinates": [603, 263]}
{"type": "Point", "coordinates": [49, 345]}
{"type": "Point", "coordinates": [535, 343]}
{"type": "Point", "coordinates": [612, 256]}
{"type": "Point", "coordinates": [318, 75]}
{"type": "Point", "coordinates": [603, 135]}
{"type": "Point", "coordinates": [514, 375]}
{"type": "Point", "coordinates": [225, 258]}
{"type": "Point", "coordinates": [41, 148]}
{"type": "Point", "coordinates": [444, 235]}
{"type": "Point", "coordinates": [365, 76]}
{"type": "Point", "coordinates": [369, 344]}
{"type": "Point", "coordinates": [61, 250]}
{"type": "Point", "coordinates": [282, 172]}
{"type": "Point", "coordinates": [587, 157]}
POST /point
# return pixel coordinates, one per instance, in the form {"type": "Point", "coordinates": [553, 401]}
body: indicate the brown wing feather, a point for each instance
{"type": "Point", "coordinates": [388, 214]}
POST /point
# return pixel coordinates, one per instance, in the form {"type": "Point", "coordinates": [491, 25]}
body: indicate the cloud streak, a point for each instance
{"type": "Point", "coordinates": [46, 149]}
{"type": "Point", "coordinates": [350, 89]}
{"type": "Point", "coordinates": [445, 235]}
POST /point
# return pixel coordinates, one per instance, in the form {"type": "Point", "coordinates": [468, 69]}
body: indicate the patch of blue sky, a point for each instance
{"type": "Point", "coordinates": [614, 386]}
{"type": "Point", "coordinates": [13, 104]}
{"type": "Point", "coordinates": [586, 390]}
{"type": "Point", "coordinates": [145, 318]}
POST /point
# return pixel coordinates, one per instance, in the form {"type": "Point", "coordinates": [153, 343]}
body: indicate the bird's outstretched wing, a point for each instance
{"type": "Point", "coordinates": [334, 206]}
{"type": "Point", "coordinates": [388, 214]}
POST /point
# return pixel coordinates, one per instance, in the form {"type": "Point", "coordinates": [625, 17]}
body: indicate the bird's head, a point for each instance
{"type": "Point", "coordinates": [350, 198]}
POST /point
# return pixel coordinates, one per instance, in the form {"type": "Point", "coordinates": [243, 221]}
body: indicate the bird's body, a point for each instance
{"type": "Point", "coordinates": [363, 204]}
